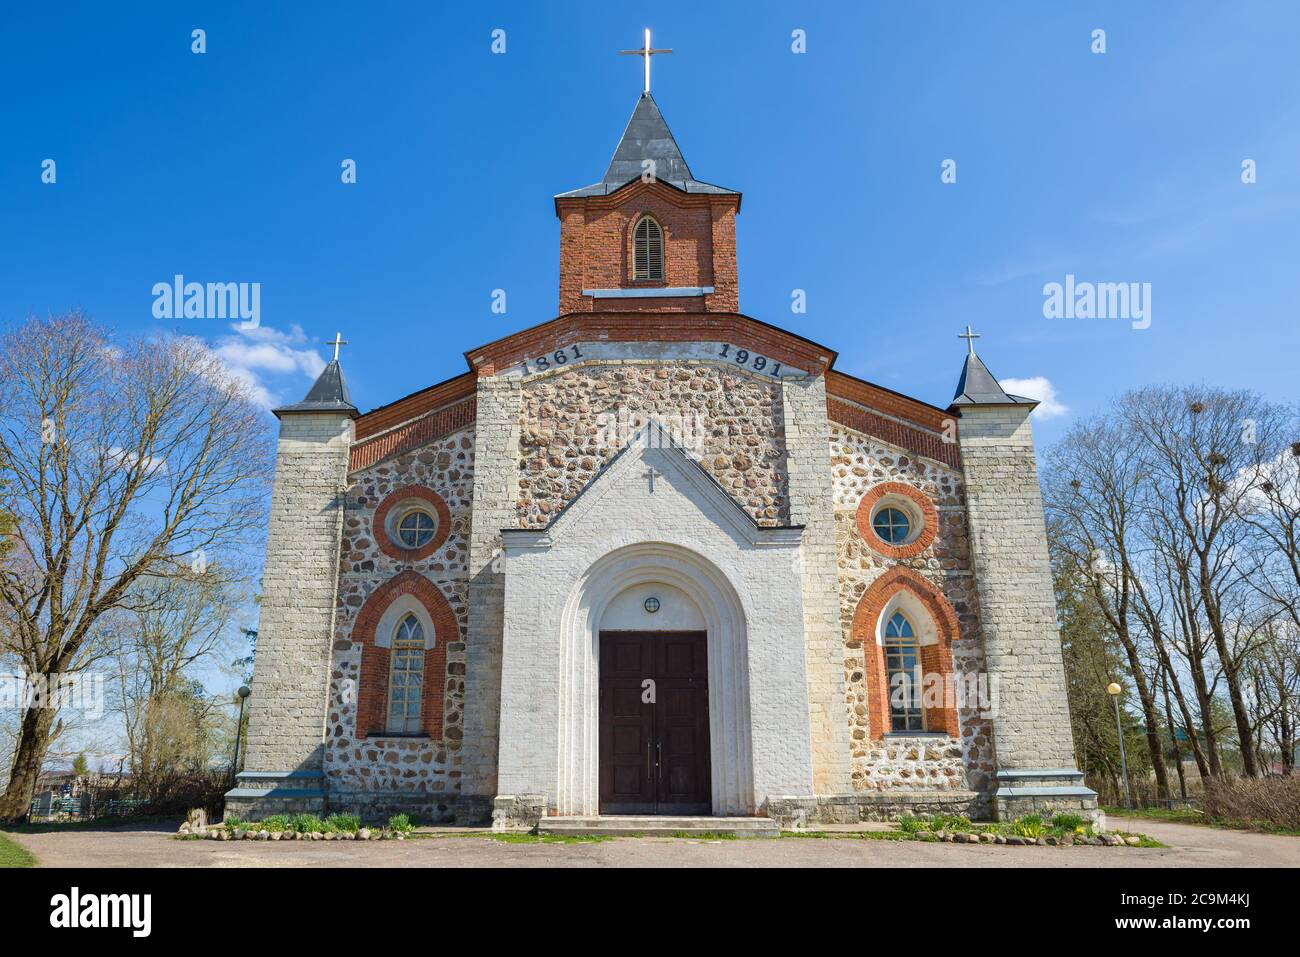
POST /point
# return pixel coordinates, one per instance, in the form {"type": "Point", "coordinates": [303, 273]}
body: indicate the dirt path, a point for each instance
{"type": "Point", "coordinates": [1190, 846]}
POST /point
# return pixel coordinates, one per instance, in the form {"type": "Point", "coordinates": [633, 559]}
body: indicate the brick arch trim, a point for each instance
{"type": "Point", "coordinates": [929, 519]}
{"type": "Point", "coordinates": [372, 693]}
{"type": "Point", "coordinates": [409, 493]}
{"type": "Point", "coordinates": [935, 658]}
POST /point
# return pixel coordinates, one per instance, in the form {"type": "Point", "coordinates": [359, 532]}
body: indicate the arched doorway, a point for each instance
{"type": "Point", "coordinates": [697, 644]}
{"type": "Point", "coordinates": [654, 703]}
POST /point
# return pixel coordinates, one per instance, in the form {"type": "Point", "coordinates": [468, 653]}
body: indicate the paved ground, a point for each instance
{"type": "Point", "coordinates": [1190, 846]}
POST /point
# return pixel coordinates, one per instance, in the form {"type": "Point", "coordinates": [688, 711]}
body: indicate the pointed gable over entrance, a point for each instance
{"type": "Point", "coordinates": [653, 517]}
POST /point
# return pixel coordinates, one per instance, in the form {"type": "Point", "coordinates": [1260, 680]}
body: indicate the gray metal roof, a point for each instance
{"type": "Point", "coordinates": [329, 393]}
{"type": "Point", "coordinates": [978, 387]}
{"type": "Point", "coordinates": [647, 137]}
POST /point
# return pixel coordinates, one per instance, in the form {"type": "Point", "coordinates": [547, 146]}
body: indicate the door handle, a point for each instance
{"type": "Point", "coordinates": [659, 762]}
{"type": "Point", "coordinates": [647, 760]}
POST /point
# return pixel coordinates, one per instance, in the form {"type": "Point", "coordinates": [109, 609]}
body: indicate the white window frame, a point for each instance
{"type": "Point", "coordinates": [406, 662]}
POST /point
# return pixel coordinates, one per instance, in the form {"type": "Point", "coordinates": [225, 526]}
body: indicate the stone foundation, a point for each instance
{"type": "Point", "coordinates": [517, 812]}
{"type": "Point", "coordinates": [260, 794]}
{"type": "Point", "coordinates": [1045, 791]}
{"type": "Point", "coordinates": [800, 813]}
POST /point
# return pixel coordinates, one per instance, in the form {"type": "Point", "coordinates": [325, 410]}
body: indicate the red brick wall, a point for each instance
{"type": "Point", "coordinates": [699, 248]}
{"type": "Point", "coordinates": [372, 695]}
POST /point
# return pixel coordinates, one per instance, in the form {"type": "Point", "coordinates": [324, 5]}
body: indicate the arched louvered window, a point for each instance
{"type": "Point", "coordinates": [648, 250]}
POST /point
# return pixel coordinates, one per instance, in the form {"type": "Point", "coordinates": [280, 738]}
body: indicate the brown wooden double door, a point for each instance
{"type": "Point", "coordinates": [654, 723]}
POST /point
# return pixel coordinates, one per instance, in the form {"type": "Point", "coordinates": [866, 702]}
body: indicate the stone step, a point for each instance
{"type": "Point", "coordinates": [655, 826]}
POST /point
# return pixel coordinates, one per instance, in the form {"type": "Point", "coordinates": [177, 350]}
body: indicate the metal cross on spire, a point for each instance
{"type": "Point", "coordinates": [646, 52]}
{"type": "Point", "coordinates": [970, 338]}
{"type": "Point", "coordinates": [337, 341]}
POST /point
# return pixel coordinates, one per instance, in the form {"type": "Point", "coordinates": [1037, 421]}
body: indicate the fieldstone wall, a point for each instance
{"type": "Point", "coordinates": [381, 773]}
{"type": "Point", "coordinates": [564, 423]}
{"type": "Point", "coordinates": [859, 462]}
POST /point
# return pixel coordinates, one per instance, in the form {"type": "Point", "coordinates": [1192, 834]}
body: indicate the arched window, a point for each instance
{"type": "Point", "coordinates": [406, 681]}
{"type": "Point", "coordinates": [903, 673]}
{"type": "Point", "coordinates": [648, 250]}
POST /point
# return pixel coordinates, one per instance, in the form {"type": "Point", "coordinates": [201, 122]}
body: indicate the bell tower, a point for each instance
{"type": "Point", "coordinates": [649, 236]}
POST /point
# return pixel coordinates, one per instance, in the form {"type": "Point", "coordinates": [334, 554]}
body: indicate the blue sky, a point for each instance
{"type": "Point", "coordinates": [1118, 167]}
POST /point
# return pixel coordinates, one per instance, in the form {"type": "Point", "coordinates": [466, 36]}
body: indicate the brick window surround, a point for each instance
{"type": "Point", "coordinates": [372, 695]}
{"type": "Point", "coordinates": [898, 490]}
{"type": "Point", "coordinates": [410, 493]}
{"type": "Point", "coordinates": [936, 658]}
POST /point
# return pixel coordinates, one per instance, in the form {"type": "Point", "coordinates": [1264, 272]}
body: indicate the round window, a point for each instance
{"type": "Point", "coordinates": [415, 530]}
{"type": "Point", "coordinates": [892, 524]}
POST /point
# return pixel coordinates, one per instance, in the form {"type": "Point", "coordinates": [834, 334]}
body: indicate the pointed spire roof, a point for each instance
{"type": "Point", "coordinates": [328, 394]}
{"type": "Point", "coordinates": [647, 137]}
{"type": "Point", "coordinates": [978, 387]}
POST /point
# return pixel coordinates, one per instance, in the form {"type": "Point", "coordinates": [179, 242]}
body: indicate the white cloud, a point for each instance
{"type": "Point", "coordinates": [1040, 388]}
{"type": "Point", "coordinates": [254, 355]}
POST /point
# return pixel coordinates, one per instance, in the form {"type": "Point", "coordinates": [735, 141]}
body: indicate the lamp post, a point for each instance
{"type": "Point", "coordinates": [243, 693]}
{"type": "Point", "coordinates": [1114, 689]}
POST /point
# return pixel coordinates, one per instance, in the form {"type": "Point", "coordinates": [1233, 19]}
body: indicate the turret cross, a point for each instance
{"type": "Point", "coordinates": [646, 52]}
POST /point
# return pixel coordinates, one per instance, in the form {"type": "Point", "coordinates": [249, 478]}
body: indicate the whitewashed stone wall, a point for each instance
{"type": "Point", "coordinates": [685, 533]}
{"type": "Point", "coordinates": [859, 462]}
{"type": "Point", "coordinates": [416, 766]}
{"type": "Point", "coordinates": [807, 432]}
{"type": "Point", "coordinates": [496, 489]}
{"type": "Point", "coordinates": [1014, 577]}
{"type": "Point", "coordinates": [287, 708]}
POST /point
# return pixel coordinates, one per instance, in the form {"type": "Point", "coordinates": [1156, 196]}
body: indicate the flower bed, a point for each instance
{"type": "Point", "coordinates": [1061, 830]}
{"type": "Point", "coordinates": [300, 827]}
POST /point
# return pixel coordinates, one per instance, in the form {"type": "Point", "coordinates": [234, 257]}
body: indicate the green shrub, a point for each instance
{"type": "Point", "coordinates": [276, 822]}
{"type": "Point", "coordinates": [400, 823]}
{"type": "Point", "coordinates": [950, 822]}
{"type": "Point", "coordinates": [233, 821]}
{"type": "Point", "coordinates": [1031, 825]}
{"type": "Point", "coordinates": [1067, 822]}
{"type": "Point", "coordinates": [306, 824]}
{"type": "Point", "coordinates": [911, 824]}
{"type": "Point", "coordinates": [343, 823]}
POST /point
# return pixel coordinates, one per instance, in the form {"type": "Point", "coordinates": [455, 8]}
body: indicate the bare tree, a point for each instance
{"type": "Point", "coordinates": [177, 624]}
{"type": "Point", "coordinates": [144, 459]}
{"type": "Point", "coordinates": [1094, 487]}
{"type": "Point", "coordinates": [1206, 450]}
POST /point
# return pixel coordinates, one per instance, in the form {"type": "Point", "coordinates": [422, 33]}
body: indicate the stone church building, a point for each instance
{"type": "Point", "coordinates": [655, 556]}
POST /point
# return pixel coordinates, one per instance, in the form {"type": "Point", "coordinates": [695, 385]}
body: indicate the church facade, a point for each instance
{"type": "Point", "coordinates": [655, 556]}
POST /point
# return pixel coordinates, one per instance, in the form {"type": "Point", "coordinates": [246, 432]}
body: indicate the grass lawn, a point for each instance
{"type": "Point", "coordinates": [1190, 815]}
{"type": "Point", "coordinates": [14, 855]}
